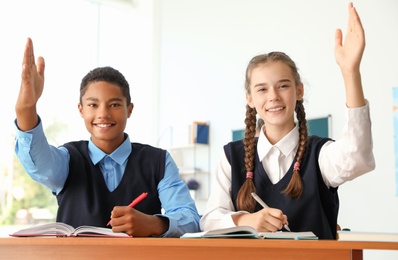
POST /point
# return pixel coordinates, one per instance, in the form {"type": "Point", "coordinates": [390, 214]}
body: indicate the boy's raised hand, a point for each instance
{"type": "Point", "coordinates": [32, 83]}
{"type": "Point", "coordinates": [348, 55]}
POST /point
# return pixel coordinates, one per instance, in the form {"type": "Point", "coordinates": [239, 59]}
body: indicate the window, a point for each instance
{"type": "Point", "coordinates": [73, 37]}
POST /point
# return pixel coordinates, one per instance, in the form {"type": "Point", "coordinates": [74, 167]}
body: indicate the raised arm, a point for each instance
{"type": "Point", "coordinates": [348, 56]}
{"type": "Point", "coordinates": [32, 82]}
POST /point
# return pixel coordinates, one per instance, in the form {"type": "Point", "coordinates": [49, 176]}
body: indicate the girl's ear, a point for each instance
{"type": "Point", "coordinates": [249, 100]}
{"type": "Point", "coordinates": [300, 91]}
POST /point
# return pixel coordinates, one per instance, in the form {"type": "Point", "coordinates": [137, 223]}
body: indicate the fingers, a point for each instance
{"type": "Point", "coordinates": [272, 219]}
{"type": "Point", "coordinates": [123, 217]}
{"type": "Point", "coordinates": [119, 211]}
{"type": "Point", "coordinates": [278, 218]}
{"type": "Point", "coordinates": [351, 18]}
{"type": "Point", "coordinates": [348, 51]}
{"type": "Point", "coordinates": [130, 221]}
{"type": "Point", "coordinates": [28, 62]}
{"type": "Point", "coordinates": [285, 221]}
{"type": "Point", "coordinates": [40, 66]}
{"type": "Point", "coordinates": [338, 38]}
{"type": "Point", "coordinates": [28, 58]}
{"type": "Point", "coordinates": [353, 15]}
{"type": "Point", "coordinates": [354, 26]}
{"type": "Point", "coordinates": [354, 21]}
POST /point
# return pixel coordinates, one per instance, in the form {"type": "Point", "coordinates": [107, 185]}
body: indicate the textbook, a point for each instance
{"type": "Point", "coordinates": [367, 236]}
{"type": "Point", "coordinates": [59, 229]}
{"type": "Point", "coordinates": [250, 232]}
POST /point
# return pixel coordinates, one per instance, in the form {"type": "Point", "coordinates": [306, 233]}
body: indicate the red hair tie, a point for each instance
{"type": "Point", "coordinates": [296, 166]}
{"type": "Point", "coordinates": [249, 175]}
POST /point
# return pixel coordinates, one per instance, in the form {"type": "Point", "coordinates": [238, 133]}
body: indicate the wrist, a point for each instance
{"type": "Point", "coordinates": [160, 225]}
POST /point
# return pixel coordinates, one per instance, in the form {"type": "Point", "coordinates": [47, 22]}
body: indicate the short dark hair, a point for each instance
{"type": "Point", "coordinates": [109, 75]}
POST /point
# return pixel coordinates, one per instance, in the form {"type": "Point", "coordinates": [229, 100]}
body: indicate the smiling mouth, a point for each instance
{"type": "Point", "coordinates": [275, 109]}
{"type": "Point", "coordinates": [103, 125]}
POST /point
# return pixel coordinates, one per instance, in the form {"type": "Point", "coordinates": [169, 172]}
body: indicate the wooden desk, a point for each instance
{"type": "Point", "coordinates": [176, 248]}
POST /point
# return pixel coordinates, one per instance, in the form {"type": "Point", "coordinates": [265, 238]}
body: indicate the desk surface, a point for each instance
{"type": "Point", "coordinates": [176, 248]}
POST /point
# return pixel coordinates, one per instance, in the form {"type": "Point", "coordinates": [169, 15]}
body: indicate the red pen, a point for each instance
{"type": "Point", "coordinates": [134, 202]}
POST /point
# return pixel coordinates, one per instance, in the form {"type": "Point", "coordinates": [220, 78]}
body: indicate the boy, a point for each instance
{"type": "Point", "coordinates": [89, 178]}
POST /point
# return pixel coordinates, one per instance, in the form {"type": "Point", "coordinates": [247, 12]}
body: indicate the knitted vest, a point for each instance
{"type": "Point", "coordinates": [85, 198]}
{"type": "Point", "coordinates": [317, 208]}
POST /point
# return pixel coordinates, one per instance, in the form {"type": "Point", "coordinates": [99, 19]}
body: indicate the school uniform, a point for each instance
{"type": "Point", "coordinates": [326, 165]}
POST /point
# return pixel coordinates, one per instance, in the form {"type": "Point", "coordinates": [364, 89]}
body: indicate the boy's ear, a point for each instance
{"type": "Point", "coordinates": [130, 110]}
{"type": "Point", "coordinates": [79, 106]}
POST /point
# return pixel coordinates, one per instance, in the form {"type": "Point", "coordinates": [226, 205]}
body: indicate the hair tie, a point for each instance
{"type": "Point", "coordinates": [296, 166]}
{"type": "Point", "coordinates": [249, 175]}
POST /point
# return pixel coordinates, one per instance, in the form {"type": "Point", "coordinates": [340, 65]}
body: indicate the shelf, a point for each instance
{"type": "Point", "coordinates": [193, 162]}
{"type": "Point", "coordinates": [191, 171]}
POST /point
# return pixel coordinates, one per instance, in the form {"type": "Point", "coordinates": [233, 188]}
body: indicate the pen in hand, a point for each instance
{"type": "Point", "coordinates": [262, 203]}
{"type": "Point", "coordinates": [134, 202]}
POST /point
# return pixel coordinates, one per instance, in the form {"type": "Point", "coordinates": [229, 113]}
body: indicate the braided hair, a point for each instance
{"type": "Point", "coordinates": [295, 187]}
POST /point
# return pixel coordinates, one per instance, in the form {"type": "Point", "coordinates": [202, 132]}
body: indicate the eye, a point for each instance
{"type": "Point", "coordinates": [115, 105]}
{"type": "Point", "coordinates": [262, 89]}
{"type": "Point", "coordinates": [92, 105]}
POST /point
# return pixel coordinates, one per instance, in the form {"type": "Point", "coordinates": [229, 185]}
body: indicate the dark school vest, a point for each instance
{"type": "Point", "coordinates": [85, 198]}
{"type": "Point", "coordinates": [317, 208]}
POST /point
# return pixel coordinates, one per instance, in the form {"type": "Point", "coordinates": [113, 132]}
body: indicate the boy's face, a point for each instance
{"type": "Point", "coordinates": [105, 114]}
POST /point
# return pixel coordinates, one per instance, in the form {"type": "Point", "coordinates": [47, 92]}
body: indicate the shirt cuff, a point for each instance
{"type": "Point", "coordinates": [358, 114]}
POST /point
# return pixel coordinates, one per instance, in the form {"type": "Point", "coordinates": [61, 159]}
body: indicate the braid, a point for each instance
{"type": "Point", "coordinates": [295, 187]}
{"type": "Point", "coordinates": [244, 200]}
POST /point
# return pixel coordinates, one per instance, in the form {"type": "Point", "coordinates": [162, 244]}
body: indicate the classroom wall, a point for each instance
{"type": "Point", "coordinates": [200, 52]}
{"type": "Point", "coordinates": [204, 47]}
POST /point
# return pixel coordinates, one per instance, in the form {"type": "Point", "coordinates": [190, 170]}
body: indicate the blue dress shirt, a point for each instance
{"type": "Point", "coordinates": [49, 165]}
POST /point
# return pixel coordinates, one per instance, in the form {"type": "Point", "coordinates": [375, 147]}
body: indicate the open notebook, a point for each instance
{"type": "Point", "coordinates": [59, 229]}
{"type": "Point", "coordinates": [249, 232]}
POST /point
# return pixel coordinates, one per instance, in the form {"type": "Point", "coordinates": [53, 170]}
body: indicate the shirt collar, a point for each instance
{"type": "Point", "coordinates": [120, 155]}
{"type": "Point", "coordinates": [286, 145]}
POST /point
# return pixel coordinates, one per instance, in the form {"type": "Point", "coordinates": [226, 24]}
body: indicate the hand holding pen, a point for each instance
{"type": "Point", "coordinates": [262, 203]}
{"type": "Point", "coordinates": [134, 202]}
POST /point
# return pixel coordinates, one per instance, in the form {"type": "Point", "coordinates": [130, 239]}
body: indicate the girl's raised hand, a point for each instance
{"type": "Point", "coordinates": [349, 54]}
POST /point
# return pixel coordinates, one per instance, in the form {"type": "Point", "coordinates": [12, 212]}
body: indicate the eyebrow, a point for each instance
{"type": "Point", "coordinates": [279, 81]}
{"type": "Point", "coordinates": [109, 100]}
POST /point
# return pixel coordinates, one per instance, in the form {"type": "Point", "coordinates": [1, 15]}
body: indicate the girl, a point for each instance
{"type": "Point", "coordinates": [295, 174]}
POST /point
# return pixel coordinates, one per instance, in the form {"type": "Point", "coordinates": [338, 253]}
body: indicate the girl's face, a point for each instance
{"type": "Point", "coordinates": [105, 114]}
{"type": "Point", "coordinates": [273, 93]}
